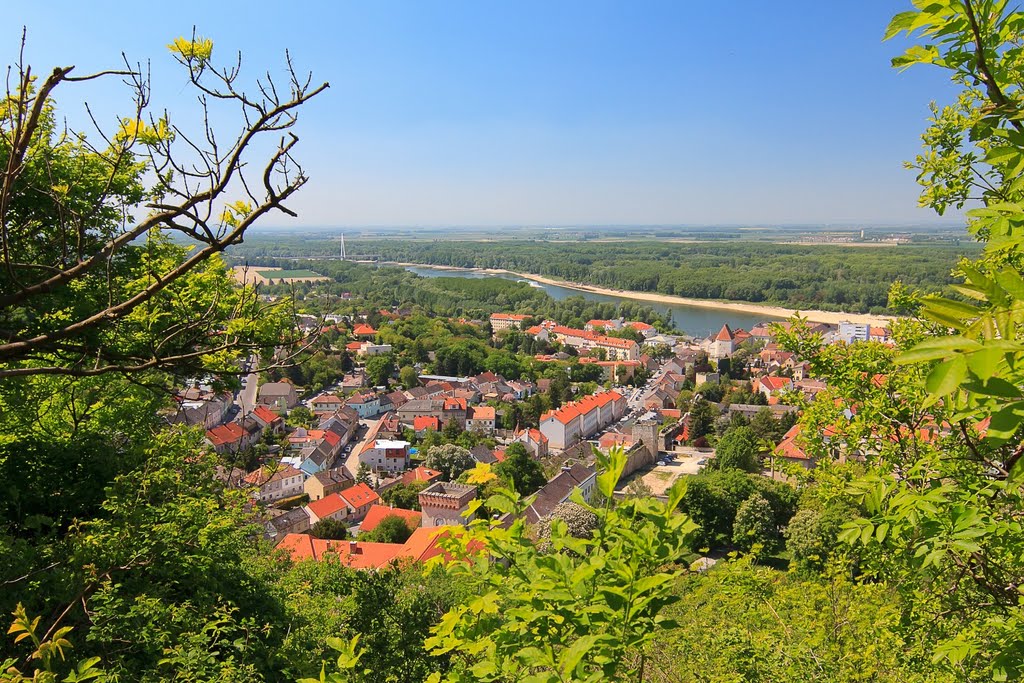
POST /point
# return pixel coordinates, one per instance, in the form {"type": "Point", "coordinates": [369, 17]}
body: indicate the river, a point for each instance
{"type": "Point", "coordinates": [692, 320]}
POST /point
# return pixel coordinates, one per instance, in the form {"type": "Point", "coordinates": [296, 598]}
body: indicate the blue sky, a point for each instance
{"type": "Point", "coordinates": [554, 113]}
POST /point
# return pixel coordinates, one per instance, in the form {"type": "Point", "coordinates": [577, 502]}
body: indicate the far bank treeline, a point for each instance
{"type": "Point", "coordinates": [358, 287]}
{"type": "Point", "coordinates": [795, 276]}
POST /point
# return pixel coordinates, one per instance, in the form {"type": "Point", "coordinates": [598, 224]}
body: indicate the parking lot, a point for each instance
{"type": "Point", "coordinates": [661, 477]}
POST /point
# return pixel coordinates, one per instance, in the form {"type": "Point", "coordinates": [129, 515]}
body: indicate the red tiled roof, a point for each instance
{"type": "Point", "coordinates": [271, 473]}
{"type": "Point", "coordinates": [725, 334]}
{"type": "Point", "coordinates": [266, 414]}
{"type": "Point", "coordinates": [420, 474]}
{"type": "Point", "coordinates": [451, 403]}
{"type": "Point", "coordinates": [509, 316]}
{"type": "Point", "coordinates": [534, 435]}
{"type": "Point", "coordinates": [377, 513]}
{"type": "Point", "coordinates": [426, 422]}
{"type": "Point", "coordinates": [225, 433]}
{"type": "Point", "coordinates": [773, 383]}
{"type": "Point", "coordinates": [358, 555]}
{"type": "Point", "coordinates": [359, 495]}
{"type": "Point", "coordinates": [481, 413]}
{"type": "Point", "coordinates": [363, 330]}
{"type": "Point", "coordinates": [609, 439]}
{"type": "Point", "coordinates": [642, 327]}
{"type": "Point", "coordinates": [789, 448]}
{"type": "Point", "coordinates": [327, 506]}
{"type": "Point", "coordinates": [354, 346]}
{"type": "Point", "coordinates": [327, 398]}
{"type": "Point", "coordinates": [570, 411]}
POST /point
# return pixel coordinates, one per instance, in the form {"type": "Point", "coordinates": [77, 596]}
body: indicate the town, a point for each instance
{"type": "Point", "coordinates": [367, 467]}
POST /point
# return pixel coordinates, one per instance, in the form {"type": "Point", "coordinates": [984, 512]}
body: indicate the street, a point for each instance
{"type": "Point", "coordinates": [366, 427]}
{"type": "Point", "coordinates": [246, 397]}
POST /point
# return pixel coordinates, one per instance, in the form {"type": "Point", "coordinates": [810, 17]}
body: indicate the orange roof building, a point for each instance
{"type": "Point", "coordinates": [377, 514]}
{"type": "Point", "coordinates": [421, 546]}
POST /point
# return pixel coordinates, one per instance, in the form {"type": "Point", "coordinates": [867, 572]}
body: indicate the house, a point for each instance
{"type": "Point", "coordinates": [610, 439]}
{"type": "Point", "coordinates": [331, 506]}
{"type": "Point", "coordinates": [851, 332]}
{"type": "Point", "coordinates": [771, 384]}
{"type": "Point", "coordinates": [480, 419]}
{"type": "Point", "coordinates": [367, 349]}
{"type": "Point", "coordinates": [228, 438]}
{"type": "Point", "coordinates": [578, 420]}
{"type": "Point", "coordinates": [201, 405]}
{"type": "Point", "coordinates": [559, 489]}
{"type": "Point", "coordinates": [505, 321]}
{"type": "Point", "coordinates": [444, 503]}
{"type": "Point", "coordinates": [615, 348]}
{"type": "Point", "coordinates": [294, 521]}
{"type": "Point", "coordinates": [421, 546]}
{"type": "Point", "coordinates": [359, 499]}
{"type": "Point", "coordinates": [482, 454]}
{"type": "Point", "coordinates": [723, 345]}
{"type": "Point", "coordinates": [879, 334]}
{"type": "Point", "coordinates": [325, 402]}
{"type": "Point", "coordinates": [344, 421]}
{"type": "Point", "coordinates": [275, 482]}
{"type": "Point", "coordinates": [597, 325]}
{"type": "Point", "coordinates": [354, 380]}
{"type": "Point", "coordinates": [364, 331]}
{"type": "Point", "coordinates": [536, 443]}
{"type": "Point", "coordinates": [383, 455]}
{"type": "Point", "coordinates": [365, 404]}
{"type": "Point", "coordinates": [456, 409]}
{"type": "Point", "coordinates": [397, 399]}
{"type": "Point", "coordinates": [420, 474]}
{"type": "Point", "coordinates": [390, 427]}
{"type": "Point", "coordinates": [378, 513]}
{"type": "Point", "coordinates": [644, 329]}
{"type": "Point", "coordinates": [271, 421]}
{"type": "Point", "coordinates": [280, 396]}
{"type": "Point", "coordinates": [791, 449]}
{"type": "Point", "coordinates": [562, 427]}
{"type": "Point", "coordinates": [424, 422]}
{"type": "Point", "coordinates": [325, 483]}
{"type": "Point", "coordinates": [420, 407]}
{"type": "Point", "coordinates": [318, 458]}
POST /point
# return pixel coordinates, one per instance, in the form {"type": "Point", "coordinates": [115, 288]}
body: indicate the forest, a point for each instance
{"type": "Point", "coordinates": [474, 298]}
{"type": "Point", "coordinates": [794, 276]}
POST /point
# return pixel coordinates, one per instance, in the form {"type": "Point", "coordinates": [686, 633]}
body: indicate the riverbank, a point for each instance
{"type": "Point", "coordinates": [831, 317]}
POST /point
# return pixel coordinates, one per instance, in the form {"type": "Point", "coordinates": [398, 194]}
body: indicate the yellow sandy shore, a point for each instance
{"type": "Point", "coordinates": [756, 309]}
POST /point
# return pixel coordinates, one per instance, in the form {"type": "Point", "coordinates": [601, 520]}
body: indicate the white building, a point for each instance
{"type": "Point", "coordinates": [723, 345]}
{"type": "Point", "coordinates": [851, 332]}
{"type": "Point", "coordinates": [579, 420]}
{"type": "Point", "coordinates": [275, 482]}
{"type": "Point", "coordinates": [505, 321]}
{"type": "Point", "coordinates": [480, 419]}
{"type": "Point", "coordinates": [371, 349]}
{"type": "Point", "coordinates": [384, 455]}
